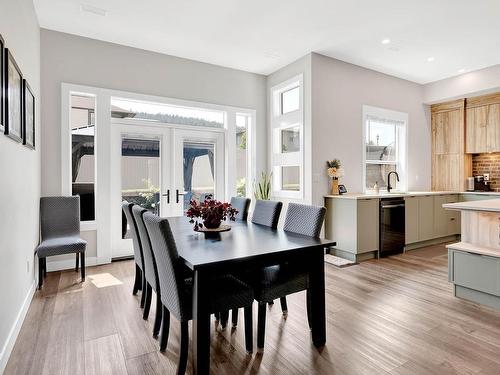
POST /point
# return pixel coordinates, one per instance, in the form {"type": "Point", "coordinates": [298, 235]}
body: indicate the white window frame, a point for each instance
{"type": "Point", "coordinates": [281, 122]}
{"type": "Point", "coordinates": [102, 145]}
{"type": "Point", "coordinates": [401, 121]}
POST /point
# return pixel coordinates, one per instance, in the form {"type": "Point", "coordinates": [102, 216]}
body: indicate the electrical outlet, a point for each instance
{"type": "Point", "coordinates": [27, 265]}
{"type": "Point", "coordinates": [486, 176]}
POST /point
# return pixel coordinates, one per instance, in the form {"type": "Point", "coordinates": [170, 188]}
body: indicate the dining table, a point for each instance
{"type": "Point", "coordinates": [246, 246]}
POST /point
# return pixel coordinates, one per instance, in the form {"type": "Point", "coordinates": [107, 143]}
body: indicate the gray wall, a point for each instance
{"type": "Point", "coordinates": [72, 59]}
{"type": "Point", "coordinates": [20, 176]}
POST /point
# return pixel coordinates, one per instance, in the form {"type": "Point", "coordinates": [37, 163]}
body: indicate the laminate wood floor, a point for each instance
{"type": "Point", "coordinates": [390, 316]}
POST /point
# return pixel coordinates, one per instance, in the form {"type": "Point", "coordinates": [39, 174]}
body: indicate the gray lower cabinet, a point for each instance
{"type": "Point", "coordinates": [475, 276]}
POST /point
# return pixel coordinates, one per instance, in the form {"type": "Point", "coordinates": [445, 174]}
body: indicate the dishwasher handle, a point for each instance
{"type": "Point", "coordinates": [392, 205]}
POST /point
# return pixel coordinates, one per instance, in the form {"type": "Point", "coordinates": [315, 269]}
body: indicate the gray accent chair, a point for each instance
{"type": "Point", "coordinates": [177, 290]}
{"type": "Point", "coordinates": [60, 232]}
{"type": "Point", "coordinates": [242, 205]}
{"type": "Point", "coordinates": [140, 277]}
{"type": "Point", "coordinates": [280, 280]}
{"type": "Point", "coordinates": [267, 213]}
{"type": "Point", "coordinates": [150, 271]}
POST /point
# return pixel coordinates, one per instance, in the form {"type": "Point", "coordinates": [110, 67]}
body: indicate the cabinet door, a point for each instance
{"type": "Point", "coordinates": [453, 217]}
{"type": "Point", "coordinates": [446, 130]}
{"type": "Point", "coordinates": [493, 129]}
{"type": "Point", "coordinates": [475, 130]}
{"type": "Point", "coordinates": [446, 173]}
{"type": "Point", "coordinates": [368, 225]}
{"type": "Point", "coordinates": [411, 219]}
{"type": "Point", "coordinates": [425, 217]}
{"type": "Point", "coordinates": [440, 216]}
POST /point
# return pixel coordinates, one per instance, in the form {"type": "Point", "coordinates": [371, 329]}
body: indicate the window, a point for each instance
{"type": "Point", "coordinates": [385, 148]}
{"type": "Point", "coordinates": [243, 123]}
{"type": "Point", "coordinates": [82, 125]}
{"type": "Point", "coordinates": [287, 138]}
{"type": "Point", "coordinates": [160, 112]}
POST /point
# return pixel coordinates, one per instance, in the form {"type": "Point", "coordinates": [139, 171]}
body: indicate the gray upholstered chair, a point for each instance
{"type": "Point", "coordinates": [267, 213]}
{"type": "Point", "coordinates": [280, 280]}
{"type": "Point", "coordinates": [140, 277]}
{"type": "Point", "coordinates": [60, 232]}
{"type": "Point", "coordinates": [242, 205]}
{"type": "Point", "coordinates": [176, 290]}
{"type": "Point", "coordinates": [150, 271]}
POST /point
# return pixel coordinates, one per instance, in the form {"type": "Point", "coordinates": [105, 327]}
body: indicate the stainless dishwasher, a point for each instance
{"type": "Point", "coordinates": [392, 226]}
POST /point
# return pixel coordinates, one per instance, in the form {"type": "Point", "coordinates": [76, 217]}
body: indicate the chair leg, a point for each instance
{"type": "Point", "coordinates": [224, 317]}
{"type": "Point", "coordinates": [164, 329]}
{"type": "Point", "coordinates": [249, 328]}
{"type": "Point", "coordinates": [157, 324]}
{"type": "Point", "coordinates": [234, 317]}
{"type": "Point", "coordinates": [284, 307]}
{"type": "Point", "coordinates": [137, 280]}
{"type": "Point", "coordinates": [40, 273]}
{"type": "Point", "coordinates": [183, 357]}
{"type": "Point", "coordinates": [147, 304]}
{"type": "Point", "coordinates": [144, 291]}
{"type": "Point", "coordinates": [82, 264]}
{"type": "Point", "coordinates": [261, 326]}
{"type": "Point", "coordinates": [44, 268]}
{"type": "Point", "coordinates": [308, 306]}
{"type": "Point", "coordinates": [77, 262]}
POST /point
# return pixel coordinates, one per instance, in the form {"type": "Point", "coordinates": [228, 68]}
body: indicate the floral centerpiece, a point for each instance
{"type": "Point", "coordinates": [334, 171]}
{"type": "Point", "coordinates": [211, 212]}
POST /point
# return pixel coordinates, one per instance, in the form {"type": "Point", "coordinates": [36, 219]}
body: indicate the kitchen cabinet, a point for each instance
{"type": "Point", "coordinates": [425, 218]}
{"type": "Point", "coordinates": [452, 217]}
{"type": "Point", "coordinates": [482, 124]}
{"type": "Point", "coordinates": [441, 217]}
{"type": "Point", "coordinates": [411, 219]}
{"type": "Point", "coordinates": [450, 164]}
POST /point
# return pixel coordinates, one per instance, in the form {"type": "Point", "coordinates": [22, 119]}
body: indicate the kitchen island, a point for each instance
{"type": "Point", "coordinates": [474, 263]}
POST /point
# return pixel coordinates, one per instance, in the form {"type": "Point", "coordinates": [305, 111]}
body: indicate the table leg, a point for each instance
{"type": "Point", "coordinates": [201, 325]}
{"type": "Point", "coordinates": [317, 296]}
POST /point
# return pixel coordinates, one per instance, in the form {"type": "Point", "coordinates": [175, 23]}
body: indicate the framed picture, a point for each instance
{"type": "Point", "coordinates": [28, 116]}
{"type": "Point", "coordinates": [2, 84]}
{"type": "Point", "coordinates": [13, 98]}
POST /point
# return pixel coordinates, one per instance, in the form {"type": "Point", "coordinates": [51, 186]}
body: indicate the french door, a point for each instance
{"type": "Point", "coordinates": [162, 168]}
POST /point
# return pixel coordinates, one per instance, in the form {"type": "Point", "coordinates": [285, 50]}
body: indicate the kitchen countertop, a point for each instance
{"type": "Point", "coordinates": [385, 194]}
{"type": "Point", "coordinates": [489, 205]}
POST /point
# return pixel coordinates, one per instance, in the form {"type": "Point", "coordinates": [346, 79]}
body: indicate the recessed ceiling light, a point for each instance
{"type": "Point", "coordinates": [386, 41]}
{"type": "Point", "coordinates": [461, 70]}
{"type": "Point", "coordinates": [430, 59]}
{"type": "Point", "coordinates": [92, 9]}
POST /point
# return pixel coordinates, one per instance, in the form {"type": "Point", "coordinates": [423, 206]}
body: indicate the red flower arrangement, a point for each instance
{"type": "Point", "coordinates": [212, 213]}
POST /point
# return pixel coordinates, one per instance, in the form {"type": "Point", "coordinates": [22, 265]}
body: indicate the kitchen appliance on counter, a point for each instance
{"type": "Point", "coordinates": [392, 226]}
{"type": "Point", "coordinates": [482, 183]}
{"type": "Point", "coordinates": [470, 183]}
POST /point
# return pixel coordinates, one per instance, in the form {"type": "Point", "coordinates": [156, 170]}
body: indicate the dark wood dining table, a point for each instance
{"type": "Point", "coordinates": [246, 246]}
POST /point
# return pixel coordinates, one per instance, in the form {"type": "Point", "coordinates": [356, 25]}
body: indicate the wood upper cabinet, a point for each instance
{"type": "Point", "coordinates": [483, 124]}
{"type": "Point", "coordinates": [450, 164]}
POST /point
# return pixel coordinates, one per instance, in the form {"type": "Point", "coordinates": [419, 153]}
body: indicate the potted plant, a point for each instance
{"type": "Point", "coordinates": [334, 171]}
{"type": "Point", "coordinates": [211, 212]}
{"type": "Point", "coordinates": [262, 189]}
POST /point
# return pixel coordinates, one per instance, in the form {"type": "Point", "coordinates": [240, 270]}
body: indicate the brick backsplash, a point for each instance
{"type": "Point", "coordinates": [487, 163]}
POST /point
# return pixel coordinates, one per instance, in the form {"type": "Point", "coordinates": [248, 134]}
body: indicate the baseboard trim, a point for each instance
{"type": "Point", "coordinates": [68, 264]}
{"type": "Point", "coordinates": [434, 241]}
{"type": "Point", "coordinates": [16, 328]}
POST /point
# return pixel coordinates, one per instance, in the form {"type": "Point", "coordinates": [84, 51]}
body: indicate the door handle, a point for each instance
{"type": "Point", "coordinates": [177, 195]}
{"type": "Point", "coordinates": [167, 195]}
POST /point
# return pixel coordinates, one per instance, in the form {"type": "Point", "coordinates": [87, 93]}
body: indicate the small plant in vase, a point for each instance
{"type": "Point", "coordinates": [334, 171]}
{"type": "Point", "coordinates": [210, 212]}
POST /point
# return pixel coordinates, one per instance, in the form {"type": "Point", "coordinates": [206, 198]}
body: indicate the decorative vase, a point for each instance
{"type": "Point", "coordinates": [212, 223]}
{"type": "Point", "coordinates": [335, 186]}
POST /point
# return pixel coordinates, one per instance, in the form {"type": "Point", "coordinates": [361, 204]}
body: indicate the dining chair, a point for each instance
{"type": "Point", "coordinates": [177, 292]}
{"type": "Point", "coordinates": [280, 280]}
{"type": "Point", "coordinates": [242, 205]}
{"type": "Point", "coordinates": [60, 232]}
{"type": "Point", "coordinates": [150, 270]}
{"type": "Point", "coordinates": [140, 277]}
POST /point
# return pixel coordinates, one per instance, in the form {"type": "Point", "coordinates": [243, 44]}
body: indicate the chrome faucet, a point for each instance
{"type": "Point", "coordinates": [389, 187]}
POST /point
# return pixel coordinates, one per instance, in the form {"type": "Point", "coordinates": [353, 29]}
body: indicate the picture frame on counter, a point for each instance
{"type": "Point", "coordinates": [28, 116]}
{"type": "Point", "coordinates": [13, 91]}
{"type": "Point", "coordinates": [2, 85]}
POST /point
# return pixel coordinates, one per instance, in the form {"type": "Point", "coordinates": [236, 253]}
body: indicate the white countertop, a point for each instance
{"type": "Point", "coordinates": [477, 249]}
{"type": "Point", "coordinates": [489, 205]}
{"type": "Point", "coordinates": [385, 194]}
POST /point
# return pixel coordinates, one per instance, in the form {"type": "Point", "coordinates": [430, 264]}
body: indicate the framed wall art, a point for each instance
{"type": "Point", "coordinates": [13, 90]}
{"type": "Point", "coordinates": [28, 116]}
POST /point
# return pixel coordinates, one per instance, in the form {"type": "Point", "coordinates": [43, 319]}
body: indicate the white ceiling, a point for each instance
{"type": "Point", "coordinates": [263, 35]}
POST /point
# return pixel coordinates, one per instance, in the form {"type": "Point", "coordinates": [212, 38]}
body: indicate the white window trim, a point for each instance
{"type": "Point", "coordinates": [402, 153]}
{"type": "Point", "coordinates": [102, 187]}
{"type": "Point", "coordinates": [284, 121]}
